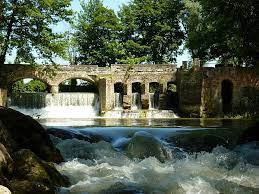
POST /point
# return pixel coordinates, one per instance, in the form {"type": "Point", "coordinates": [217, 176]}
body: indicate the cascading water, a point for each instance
{"type": "Point", "coordinates": [61, 105]}
{"type": "Point", "coordinates": [118, 101]}
{"type": "Point", "coordinates": [136, 101]}
{"type": "Point", "coordinates": [153, 101]}
{"type": "Point", "coordinates": [145, 160]}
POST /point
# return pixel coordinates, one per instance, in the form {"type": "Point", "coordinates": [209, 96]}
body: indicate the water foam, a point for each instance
{"type": "Point", "coordinates": [198, 173]}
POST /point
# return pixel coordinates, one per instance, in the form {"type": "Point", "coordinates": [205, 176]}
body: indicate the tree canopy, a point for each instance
{"type": "Point", "coordinates": [143, 31]}
{"type": "Point", "coordinates": [152, 29]}
{"type": "Point", "coordinates": [26, 26]}
{"type": "Point", "coordinates": [97, 32]}
{"type": "Point", "coordinates": [224, 30]}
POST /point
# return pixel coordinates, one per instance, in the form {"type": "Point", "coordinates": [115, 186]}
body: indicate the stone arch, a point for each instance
{"type": "Point", "coordinates": [14, 78]}
{"type": "Point", "coordinates": [154, 87]}
{"type": "Point", "coordinates": [136, 87]}
{"type": "Point", "coordinates": [119, 88]}
{"type": "Point", "coordinates": [94, 87]}
{"type": "Point", "coordinates": [59, 79]}
{"type": "Point", "coordinates": [227, 87]}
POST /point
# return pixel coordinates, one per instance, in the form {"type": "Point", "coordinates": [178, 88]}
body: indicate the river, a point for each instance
{"type": "Point", "coordinates": [156, 155]}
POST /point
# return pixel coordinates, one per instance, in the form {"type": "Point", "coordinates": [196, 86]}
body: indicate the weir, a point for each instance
{"type": "Point", "coordinates": [123, 88]}
{"type": "Point", "coordinates": [62, 105]}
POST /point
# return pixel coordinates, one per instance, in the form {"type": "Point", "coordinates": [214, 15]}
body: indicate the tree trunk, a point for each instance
{"type": "Point", "coordinates": [7, 37]}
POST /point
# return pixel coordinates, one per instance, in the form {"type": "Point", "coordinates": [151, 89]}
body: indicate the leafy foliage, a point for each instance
{"type": "Point", "coordinates": [31, 86]}
{"type": "Point", "coordinates": [151, 29]}
{"type": "Point", "coordinates": [26, 26]}
{"type": "Point", "coordinates": [224, 30]}
{"type": "Point", "coordinates": [144, 31]}
{"type": "Point", "coordinates": [97, 32]}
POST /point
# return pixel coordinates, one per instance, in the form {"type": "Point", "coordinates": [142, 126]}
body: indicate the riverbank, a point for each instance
{"type": "Point", "coordinates": [27, 156]}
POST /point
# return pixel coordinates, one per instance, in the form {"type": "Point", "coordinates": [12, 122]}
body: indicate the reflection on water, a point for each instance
{"type": "Point", "coordinates": [156, 156]}
{"type": "Point", "coordinates": [105, 122]}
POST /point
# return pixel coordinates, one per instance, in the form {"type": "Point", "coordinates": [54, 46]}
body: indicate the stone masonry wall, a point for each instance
{"type": "Point", "coordinates": [189, 87]}
{"type": "Point", "coordinates": [200, 91]}
{"type": "Point", "coordinates": [245, 100]}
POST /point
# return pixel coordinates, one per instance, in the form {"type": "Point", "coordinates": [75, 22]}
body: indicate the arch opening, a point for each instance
{"type": "Point", "coordinates": [154, 87]}
{"type": "Point", "coordinates": [77, 85]}
{"type": "Point", "coordinates": [136, 96]}
{"type": "Point", "coordinates": [154, 90]}
{"type": "Point", "coordinates": [27, 93]}
{"type": "Point", "coordinates": [118, 95]}
{"type": "Point", "coordinates": [119, 88]}
{"type": "Point", "coordinates": [171, 95]}
{"type": "Point", "coordinates": [227, 96]}
{"type": "Point", "coordinates": [81, 101]}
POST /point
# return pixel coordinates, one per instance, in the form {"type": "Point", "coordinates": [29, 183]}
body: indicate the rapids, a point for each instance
{"type": "Point", "coordinates": [106, 166]}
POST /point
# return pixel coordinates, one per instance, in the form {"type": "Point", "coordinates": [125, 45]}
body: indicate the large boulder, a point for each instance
{"type": "Point", "coordinates": [18, 131]}
{"type": "Point", "coordinates": [144, 145]}
{"type": "Point", "coordinates": [26, 153]}
{"type": "Point", "coordinates": [30, 167]}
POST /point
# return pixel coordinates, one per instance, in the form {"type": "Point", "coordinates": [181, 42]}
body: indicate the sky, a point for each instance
{"type": "Point", "coordinates": [112, 4]}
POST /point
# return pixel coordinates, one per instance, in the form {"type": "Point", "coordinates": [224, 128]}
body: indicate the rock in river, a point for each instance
{"type": "Point", "coordinates": [143, 145]}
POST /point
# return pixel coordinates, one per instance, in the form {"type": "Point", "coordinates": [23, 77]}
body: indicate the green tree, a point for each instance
{"type": "Point", "coordinates": [224, 30]}
{"type": "Point", "coordinates": [26, 27]}
{"type": "Point", "coordinates": [152, 30]}
{"type": "Point", "coordinates": [31, 86]}
{"type": "Point", "coordinates": [196, 40]}
{"type": "Point", "coordinates": [97, 32]}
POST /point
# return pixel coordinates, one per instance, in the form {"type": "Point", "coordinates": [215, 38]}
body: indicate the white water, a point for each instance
{"type": "Point", "coordinates": [136, 101]}
{"type": "Point", "coordinates": [153, 101]}
{"type": "Point", "coordinates": [118, 101]}
{"type": "Point", "coordinates": [61, 105]}
{"type": "Point", "coordinates": [95, 168]}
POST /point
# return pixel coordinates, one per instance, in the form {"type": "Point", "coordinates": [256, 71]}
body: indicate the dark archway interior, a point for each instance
{"type": "Point", "coordinates": [227, 96]}
{"type": "Point", "coordinates": [172, 95]}
{"type": "Point", "coordinates": [77, 85]}
{"type": "Point", "coordinates": [136, 87]}
{"type": "Point", "coordinates": [119, 88]}
{"type": "Point", "coordinates": [154, 87]}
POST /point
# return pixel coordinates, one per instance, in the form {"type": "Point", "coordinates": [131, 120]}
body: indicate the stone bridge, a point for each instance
{"type": "Point", "coordinates": [105, 78]}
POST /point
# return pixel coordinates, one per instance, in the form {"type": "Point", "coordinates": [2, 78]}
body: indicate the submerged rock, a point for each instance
{"type": "Point", "coordinates": [69, 134]}
{"type": "Point", "coordinates": [119, 188]}
{"type": "Point", "coordinates": [144, 145]}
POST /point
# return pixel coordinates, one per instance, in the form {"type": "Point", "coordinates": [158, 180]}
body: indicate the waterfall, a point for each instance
{"type": "Point", "coordinates": [136, 101]}
{"type": "Point", "coordinates": [153, 101]}
{"type": "Point", "coordinates": [61, 105]}
{"type": "Point", "coordinates": [118, 101]}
